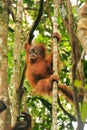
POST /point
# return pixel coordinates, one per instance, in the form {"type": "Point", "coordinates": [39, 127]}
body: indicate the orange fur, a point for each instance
{"type": "Point", "coordinates": [39, 71]}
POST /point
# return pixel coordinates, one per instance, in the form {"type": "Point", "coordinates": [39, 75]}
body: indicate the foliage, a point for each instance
{"type": "Point", "coordinates": [39, 107]}
{"type": "Point", "coordinates": [84, 111]}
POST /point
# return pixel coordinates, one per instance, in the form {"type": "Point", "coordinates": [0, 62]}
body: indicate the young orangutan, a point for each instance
{"type": "Point", "coordinates": [39, 70]}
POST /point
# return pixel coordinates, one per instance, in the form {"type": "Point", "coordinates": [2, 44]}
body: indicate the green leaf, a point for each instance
{"type": "Point", "coordinates": [84, 111]}
{"type": "Point", "coordinates": [85, 87]}
{"type": "Point", "coordinates": [77, 83]}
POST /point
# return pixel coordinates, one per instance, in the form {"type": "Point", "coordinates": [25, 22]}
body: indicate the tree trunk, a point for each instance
{"type": "Point", "coordinates": [74, 61]}
{"type": "Point", "coordinates": [55, 61]}
{"type": "Point", "coordinates": [82, 32]}
{"type": "Point", "coordinates": [15, 81]}
{"type": "Point", "coordinates": [4, 116]}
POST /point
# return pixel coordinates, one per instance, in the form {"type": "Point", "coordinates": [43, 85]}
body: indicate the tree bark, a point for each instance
{"type": "Point", "coordinates": [82, 32]}
{"type": "Point", "coordinates": [82, 27]}
{"type": "Point", "coordinates": [55, 69]}
{"type": "Point", "coordinates": [15, 81]}
{"type": "Point", "coordinates": [74, 61]}
{"type": "Point", "coordinates": [4, 116]}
